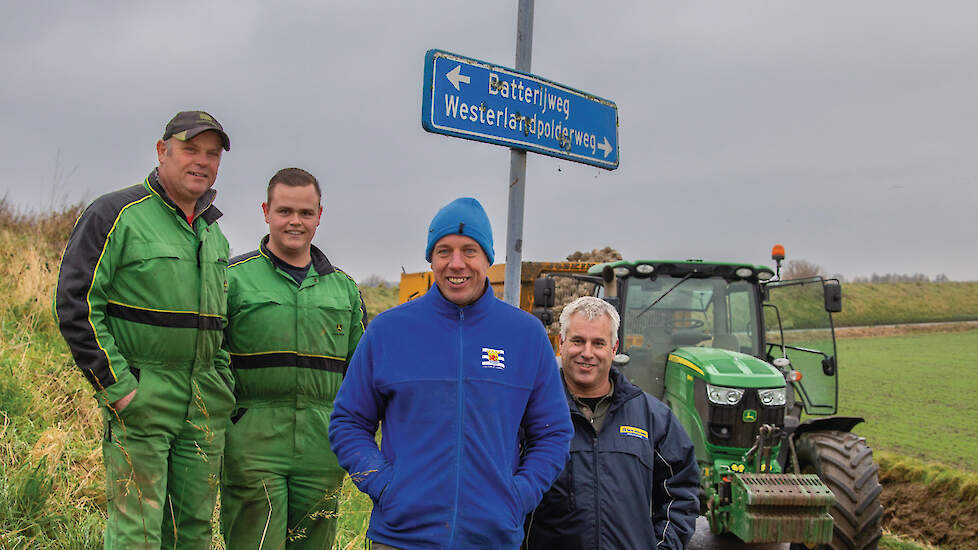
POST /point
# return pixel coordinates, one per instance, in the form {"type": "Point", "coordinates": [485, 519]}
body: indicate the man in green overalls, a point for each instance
{"type": "Point", "coordinates": [141, 301]}
{"type": "Point", "coordinates": [294, 322]}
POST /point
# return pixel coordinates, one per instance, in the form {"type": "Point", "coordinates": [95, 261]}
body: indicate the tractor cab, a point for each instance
{"type": "Point", "coordinates": [737, 355]}
{"type": "Point", "coordinates": [684, 304]}
{"type": "Point", "coordinates": [666, 306]}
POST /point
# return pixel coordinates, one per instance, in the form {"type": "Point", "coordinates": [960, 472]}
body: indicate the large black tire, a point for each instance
{"type": "Point", "coordinates": [845, 464]}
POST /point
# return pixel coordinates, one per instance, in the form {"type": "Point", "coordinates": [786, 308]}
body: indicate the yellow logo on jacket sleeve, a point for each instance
{"type": "Point", "coordinates": [634, 432]}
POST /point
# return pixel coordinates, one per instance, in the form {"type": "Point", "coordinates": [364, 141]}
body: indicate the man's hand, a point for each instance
{"type": "Point", "coordinates": [121, 404]}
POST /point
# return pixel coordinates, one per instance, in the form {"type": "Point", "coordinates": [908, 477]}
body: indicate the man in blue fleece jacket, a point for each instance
{"type": "Point", "coordinates": [453, 377]}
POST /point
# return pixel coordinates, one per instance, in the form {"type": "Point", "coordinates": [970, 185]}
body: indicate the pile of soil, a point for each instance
{"type": "Point", "coordinates": [567, 290]}
{"type": "Point", "coordinates": [927, 514]}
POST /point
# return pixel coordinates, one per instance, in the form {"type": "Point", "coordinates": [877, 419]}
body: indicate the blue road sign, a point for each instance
{"type": "Point", "coordinates": [472, 99]}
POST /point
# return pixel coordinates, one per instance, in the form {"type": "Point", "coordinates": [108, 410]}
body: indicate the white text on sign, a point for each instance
{"type": "Point", "coordinates": [549, 129]}
{"type": "Point", "coordinates": [540, 97]}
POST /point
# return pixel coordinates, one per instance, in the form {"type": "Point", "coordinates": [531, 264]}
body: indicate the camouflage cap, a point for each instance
{"type": "Point", "coordinates": [187, 124]}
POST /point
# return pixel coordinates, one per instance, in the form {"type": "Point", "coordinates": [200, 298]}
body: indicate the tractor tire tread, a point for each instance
{"type": "Point", "coordinates": [845, 464]}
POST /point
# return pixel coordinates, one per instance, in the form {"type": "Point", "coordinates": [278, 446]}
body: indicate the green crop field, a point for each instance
{"type": "Point", "coordinates": [916, 392]}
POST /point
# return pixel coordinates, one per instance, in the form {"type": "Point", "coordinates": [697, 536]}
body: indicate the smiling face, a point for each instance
{"type": "Point", "coordinates": [586, 353]}
{"type": "Point", "coordinates": [189, 168]}
{"type": "Point", "coordinates": [460, 268]}
{"type": "Point", "coordinates": [293, 214]}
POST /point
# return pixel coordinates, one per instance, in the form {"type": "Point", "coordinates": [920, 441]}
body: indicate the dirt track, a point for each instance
{"type": "Point", "coordinates": [897, 330]}
{"type": "Point", "coordinates": [704, 540]}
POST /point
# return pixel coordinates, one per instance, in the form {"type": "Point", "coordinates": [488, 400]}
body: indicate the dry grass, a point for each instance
{"type": "Point", "coordinates": [50, 488]}
{"type": "Point", "coordinates": [49, 229]}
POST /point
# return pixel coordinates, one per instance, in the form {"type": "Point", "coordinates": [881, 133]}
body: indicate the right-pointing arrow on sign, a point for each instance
{"type": "Point", "coordinates": [455, 76]}
{"type": "Point", "coordinates": [606, 147]}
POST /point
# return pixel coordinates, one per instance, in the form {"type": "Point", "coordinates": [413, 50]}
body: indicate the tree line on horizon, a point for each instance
{"type": "Point", "coordinates": [797, 269]}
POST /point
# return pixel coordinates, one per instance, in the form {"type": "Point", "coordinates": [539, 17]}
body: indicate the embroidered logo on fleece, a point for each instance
{"type": "Point", "coordinates": [634, 432]}
{"type": "Point", "coordinates": [493, 358]}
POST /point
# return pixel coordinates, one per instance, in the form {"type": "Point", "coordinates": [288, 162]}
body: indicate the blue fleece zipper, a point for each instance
{"type": "Point", "coordinates": [458, 435]}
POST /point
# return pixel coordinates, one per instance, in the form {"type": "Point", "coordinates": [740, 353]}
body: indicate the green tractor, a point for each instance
{"type": "Point", "coordinates": [747, 362]}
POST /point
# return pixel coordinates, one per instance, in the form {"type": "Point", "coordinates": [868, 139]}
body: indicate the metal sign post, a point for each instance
{"type": "Point", "coordinates": [517, 168]}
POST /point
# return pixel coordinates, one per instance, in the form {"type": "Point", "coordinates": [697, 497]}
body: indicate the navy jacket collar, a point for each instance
{"type": "Point", "coordinates": [624, 390]}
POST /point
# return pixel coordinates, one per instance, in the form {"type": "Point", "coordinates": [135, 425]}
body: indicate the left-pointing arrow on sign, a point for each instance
{"type": "Point", "coordinates": [606, 147]}
{"type": "Point", "coordinates": [455, 76]}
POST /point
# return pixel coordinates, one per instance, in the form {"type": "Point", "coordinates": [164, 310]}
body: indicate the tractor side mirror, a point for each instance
{"type": "Point", "coordinates": [543, 292]}
{"type": "Point", "coordinates": [544, 314]}
{"type": "Point", "coordinates": [828, 365]}
{"type": "Point", "coordinates": [833, 296]}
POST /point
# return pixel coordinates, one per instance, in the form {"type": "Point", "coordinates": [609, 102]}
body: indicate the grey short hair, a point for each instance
{"type": "Point", "coordinates": [591, 308]}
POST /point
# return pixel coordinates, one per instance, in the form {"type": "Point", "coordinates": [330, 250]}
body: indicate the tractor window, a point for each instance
{"type": "Point", "coordinates": [697, 312]}
{"type": "Point", "coordinates": [805, 336]}
{"type": "Point", "coordinates": [739, 332]}
{"type": "Point", "coordinates": [709, 312]}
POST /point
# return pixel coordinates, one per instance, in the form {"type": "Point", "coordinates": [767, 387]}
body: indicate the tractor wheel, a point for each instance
{"type": "Point", "coordinates": [845, 464]}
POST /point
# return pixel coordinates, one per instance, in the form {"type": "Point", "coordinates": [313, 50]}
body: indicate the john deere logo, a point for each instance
{"type": "Point", "coordinates": [339, 328]}
{"type": "Point", "coordinates": [750, 415]}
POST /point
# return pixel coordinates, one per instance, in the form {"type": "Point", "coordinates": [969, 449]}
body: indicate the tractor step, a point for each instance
{"type": "Point", "coordinates": [781, 508]}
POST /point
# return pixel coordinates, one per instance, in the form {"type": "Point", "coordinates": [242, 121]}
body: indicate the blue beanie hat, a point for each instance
{"type": "Point", "coordinates": [464, 216]}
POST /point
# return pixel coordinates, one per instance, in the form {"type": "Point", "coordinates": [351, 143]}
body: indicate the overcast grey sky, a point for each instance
{"type": "Point", "coordinates": [845, 130]}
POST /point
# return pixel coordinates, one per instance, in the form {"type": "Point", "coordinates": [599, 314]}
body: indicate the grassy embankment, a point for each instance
{"type": "Point", "coordinates": [51, 477]}
{"type": "Point", "coordinates": [894, 303]}
{"type": "Point", "coordinates": [869, 304]}
{"type": "Point", "coordinates": [378, 298]}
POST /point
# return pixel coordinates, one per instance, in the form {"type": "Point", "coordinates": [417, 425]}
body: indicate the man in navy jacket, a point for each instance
{"type": "Point", "coordinates": [632, 479]}
{"type": "Point", "coordinates": [453, 378]}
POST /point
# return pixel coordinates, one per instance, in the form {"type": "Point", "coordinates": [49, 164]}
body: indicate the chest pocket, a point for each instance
{"type": "Point", "coordinates": [148, 267]}
{"type": "Point", "coordinates": [142, 252]}
{"type": "Point", "coordinates": [260, 322]}
{"type": "Point", "coordinates": [250, 302]}
{"type": "Point", "coordinates": [326, 326]}
{"type": "Point", "coordinates": [631, 440]}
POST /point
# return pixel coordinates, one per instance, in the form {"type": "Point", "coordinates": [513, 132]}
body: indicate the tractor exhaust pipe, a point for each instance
{"type": "Point", "coordinates": [610, 284]}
